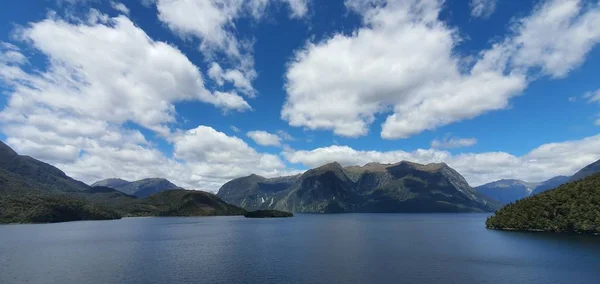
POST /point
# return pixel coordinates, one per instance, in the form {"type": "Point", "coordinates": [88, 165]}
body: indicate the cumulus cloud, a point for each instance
{"type": "Point", "coordinates": [403, 60]}
{"type": "Point", "coordinates": [540, 164]}
{"type": "Point", "coordinates": [453, 142]}
{"type": "Point", "coordinates": [109, 70]}
{"type": "Point", "coordinates": [482, 8]}
{"type": "Point", "coordinates": [212, 22]}
{"type": "Point", "coordinates": [264, 138]}
{"type": "Point", "coordinates": [103, 79]}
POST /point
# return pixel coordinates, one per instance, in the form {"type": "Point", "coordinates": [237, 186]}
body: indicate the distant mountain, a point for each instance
{"type": "Point", "coordinates": [572, 207]}
{"type": "Point", "coordinates": [507, 190]}
{"type": "Point", "coordinates": [586, 171]}
{"type": "Point", "coordinates": [550, 184]}
{"type": "Point", "coordinates": [400, 187]}
{"type": "Point", "coordinates": [111, 182]}
{"type": "Point", "coordinates": [140, 188]}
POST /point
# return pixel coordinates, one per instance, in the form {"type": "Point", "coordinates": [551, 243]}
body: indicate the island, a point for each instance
{"type": "Point", "coordinates": [268, 214]}
{"type": "Point", "coordinates": [573, 207]}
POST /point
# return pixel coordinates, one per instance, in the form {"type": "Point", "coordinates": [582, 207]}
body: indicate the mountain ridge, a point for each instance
{"type": "Point", "coordinates": [140, 188]}
{"type": "Point", "coordinates": [330, 188]}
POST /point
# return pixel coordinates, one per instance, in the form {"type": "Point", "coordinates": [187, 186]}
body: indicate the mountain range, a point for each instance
{"type": "Point", "coordinates": [32, 191]}
{"type": "Point", "coordinates": [374, 187]}
{"type": "Point", "coordinates": [506, 191]}
{"type": "Point", "coordinates": [140, 188]}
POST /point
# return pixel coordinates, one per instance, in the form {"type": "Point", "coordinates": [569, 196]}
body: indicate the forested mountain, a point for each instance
{"type": "Point", "coordinates": [572, 207]}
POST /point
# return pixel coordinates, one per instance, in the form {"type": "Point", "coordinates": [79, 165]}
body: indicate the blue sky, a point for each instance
{"type": "Point", "coordinates": [208, 90]}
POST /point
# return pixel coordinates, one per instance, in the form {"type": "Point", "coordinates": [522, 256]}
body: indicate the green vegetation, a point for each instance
{"type": "Point", "coordinates": [181, 202]}
{"type": "Point", "coordinates": [33, 208]}
{"type": "Point", "coordinates": [572, 207]}
{"type": "Point", "coordinates": [268, 214]}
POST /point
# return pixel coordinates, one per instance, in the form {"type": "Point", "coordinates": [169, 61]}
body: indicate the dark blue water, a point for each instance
{"type": "Point", "coordinates": [344, 248]}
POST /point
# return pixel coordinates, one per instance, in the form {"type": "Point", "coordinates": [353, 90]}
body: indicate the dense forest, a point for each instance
{"type": "Point", "coordinates": [572, 207]}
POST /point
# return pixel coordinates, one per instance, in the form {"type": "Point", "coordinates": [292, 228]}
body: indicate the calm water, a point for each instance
{"type": "Point", "coordinates": [346, 248]}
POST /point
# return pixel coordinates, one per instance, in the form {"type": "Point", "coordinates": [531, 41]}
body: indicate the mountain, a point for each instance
{"type": "Point", "coordinates": [35, 192]}
{"type": "Point", "coordinates": [111, 182]}
{"type": "Point", "coordinates": [507, 190]}
{"type": "Point", "coordinates": [550, 184]}
{"type": "Point", "coordinates": [572, 207]}
{"type": "Point", "coordinates": [141, 188]}
{"type": "Point", "coordinates": [32, 170]}
{"type": "Point", "coordinates": [374, 187]}
{"type": "Point", "coordinates": [586, 171]}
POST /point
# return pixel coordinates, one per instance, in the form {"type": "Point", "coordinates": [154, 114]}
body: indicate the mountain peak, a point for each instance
{"type": "Point", "coordinates": [6, 151]}
{"type": "Point", "coordinates": [431, 167]}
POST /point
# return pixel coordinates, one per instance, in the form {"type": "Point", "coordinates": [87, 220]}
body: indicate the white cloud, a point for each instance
{"type": "Point", "coordinates": [119, 7]}
{"type": "Point", "coordinates": [213, 23]}
{"type": "Point", "coordinates": [297, 7]}
{"type": "Point", "coordinates": [235, 129]}
{"type": "Point", "coordinates": [403, 60]}
{"type": "Point", "coordinates": [285, 136]}
{"type": "Point", "coordinates": [105, 77]}
{"type": "Point", "coordinates": [264, 138]}
{"type": "Point", "coordinates": [108, 70]}
{"type": "Point", "coordinates": [593, 97]}
{"type": "Point", "coordinates": [453, 142]}
{"type": "Point", "coordinates": [555, 38]}
{"type": "Point", "coordinates": [237, 78]}
{"type": "Point", "coordinates": [540, 164]}
{"type": "Point", "coordinates": [482, 8]}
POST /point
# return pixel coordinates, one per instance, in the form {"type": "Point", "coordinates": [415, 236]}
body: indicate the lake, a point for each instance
{"type": "Point", "coordinates": [339, 248]}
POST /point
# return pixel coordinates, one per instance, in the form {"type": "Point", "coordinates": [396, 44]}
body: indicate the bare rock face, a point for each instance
{"type": "Point", "coordinates": [374, 187]}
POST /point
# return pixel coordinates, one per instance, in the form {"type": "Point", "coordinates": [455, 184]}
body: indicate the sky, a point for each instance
{"type": "Point", "coordinates": [204, 91]}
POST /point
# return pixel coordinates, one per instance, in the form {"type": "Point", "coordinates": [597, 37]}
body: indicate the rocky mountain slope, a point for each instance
{"type": "Point", "coordinates": [374, 187]}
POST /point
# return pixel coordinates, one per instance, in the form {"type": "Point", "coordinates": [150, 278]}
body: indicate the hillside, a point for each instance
{"type": "Point", "coordinates": [34, 171]}
{"type": "Point", "coordinates": [586, 171]}
{"type": "Point", "coordinates": [550, 184]}
{"type": "Point", "coordinates": [191, 203]}
{"type": "Point", "coordinates": [331, 188]}
{"type": "Point", "coordinates": [572, 207]}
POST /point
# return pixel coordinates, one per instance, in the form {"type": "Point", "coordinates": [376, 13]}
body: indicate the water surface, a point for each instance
{"type": "Point", "coordinates": [339, 248]}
